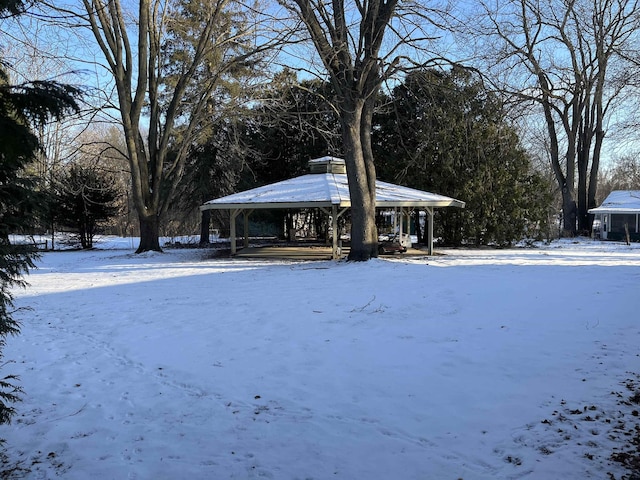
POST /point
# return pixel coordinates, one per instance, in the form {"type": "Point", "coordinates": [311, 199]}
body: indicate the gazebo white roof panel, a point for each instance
{"type": "Point", "coordinates": [319, 189]}
{"type": "Point", "coordinates": [620, 201]}
{"type": "Point", "coordinates": [397, 195]}
{"type": "Point", "coordinates": [326, 189]}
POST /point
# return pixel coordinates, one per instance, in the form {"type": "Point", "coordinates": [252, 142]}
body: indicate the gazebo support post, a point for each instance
{"type": "Point", "coordinates": [246, 227]}
{"type": "Point", "coordinates": [335, 248]}
{"type": "Point", "coordinates": [430, 230]}
{"type": "Point", "coordinates": [233, 214]}
{"type": "Point", "coordinates": [335, 253]}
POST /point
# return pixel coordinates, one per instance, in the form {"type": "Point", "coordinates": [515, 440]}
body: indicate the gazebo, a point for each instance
{"type": "Point", "coordinates": [325, 188]}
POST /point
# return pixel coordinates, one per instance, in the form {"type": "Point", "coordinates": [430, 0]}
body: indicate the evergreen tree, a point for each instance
{"type": "Point", "coordinates": [21, 107]}
{"type": "Point", "coordinates": [444, 132]}
{"type": "Point", "coordinates": [293, 124]}
{"type": "Point", "coordinates": [213, 170]}
{"type": "Point", "coordinates": [85, 199]}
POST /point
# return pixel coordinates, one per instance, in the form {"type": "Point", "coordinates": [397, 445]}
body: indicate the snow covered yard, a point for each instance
{"type": "Point", "coordinates": [477, 364]}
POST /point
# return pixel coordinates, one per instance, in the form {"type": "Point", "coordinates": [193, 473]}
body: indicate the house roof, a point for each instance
{"type": "Point", "coordinates": [620, 201]}
{"type": "Point", "coordinates": [325, 190]}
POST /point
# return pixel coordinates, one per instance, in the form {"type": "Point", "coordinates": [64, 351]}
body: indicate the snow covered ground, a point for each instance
{"type": "Point", "coordinates": [475, 364]}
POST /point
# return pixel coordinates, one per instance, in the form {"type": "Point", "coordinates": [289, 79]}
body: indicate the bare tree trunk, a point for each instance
{"type": "Point", "coordinates": [564, 178]}
{"type": "Point", "coordinates": [350, 52]}
{"type": "Point", "coordinates": [593, 179]}
{"type": "Point", "coordinates": [366, 122]}
{"type": "Point", "coordinates": [205, 224]}
{"type": "Point", "coordinates": [600, 111]}
{"type": "Point", "coordinates": [363, 220]}
{"type": "Point", "coordinates": [149, 233]}
{"type": "Point", "coordinates": [582, 156]}
{"type": "Point", "coordinates": [569, 211]}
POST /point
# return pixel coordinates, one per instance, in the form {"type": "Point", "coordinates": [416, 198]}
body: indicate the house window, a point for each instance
{"type": "Point", "coordinates": [618, 221]}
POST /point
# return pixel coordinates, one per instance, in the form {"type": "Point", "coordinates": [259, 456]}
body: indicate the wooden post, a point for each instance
{"type": "Point", "coordinates": [430, 227]}
{"type": "Point", "coordinates": [335, 253]}
{"type": "Point", "coordinates": [246, 228]}
{"type": "Point", "coordinates": [626, 233]}
{"type": "Point", "coordinates": [233, 214]}
{"type": "Point", "coordinates": [335, 244]}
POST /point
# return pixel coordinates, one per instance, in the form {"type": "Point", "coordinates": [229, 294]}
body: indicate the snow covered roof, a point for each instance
{"type": "Point", "coordinates": [325, 190]}
{"type": "Point", "coordinates": [620, 201]}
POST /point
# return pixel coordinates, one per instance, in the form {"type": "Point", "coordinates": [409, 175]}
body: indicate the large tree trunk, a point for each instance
{"type": "Point", "coordinates": [597, 148]}
{"type": "Point", "coordinates": [582, 215]}
{"type": "Point", "coordinates": [149, 233]}
{"type": "Point", "coordinates": [564, 178]}
{"type": "Point", "coordinates": [363, 217]}
{"type": "Point", "coordinates": [583, 155]}
{"type": "Point", "coordinates": [572, 84]}
{"type": "Point", "coordinates": [593, 187]}
{"type": "Point", "coordinates": [205, 224]}
{"type": "Point", "coordinates": [349, 51]}
{"type": "Point", "coordinates": [569, 212]}
{"type": "Point", "coordinates": [137, 64]}
{"type": "Point", "coordinates": [366, 122]}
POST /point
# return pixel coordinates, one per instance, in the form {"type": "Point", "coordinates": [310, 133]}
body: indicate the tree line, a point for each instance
{"type": "Point", "coordinates": [439, 130]}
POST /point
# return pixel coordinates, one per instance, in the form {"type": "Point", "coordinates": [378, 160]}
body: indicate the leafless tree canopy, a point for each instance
{"type": "Point", "coordinates": [159, 70]}
{"type": "Point", "coordinates": [570, 58]}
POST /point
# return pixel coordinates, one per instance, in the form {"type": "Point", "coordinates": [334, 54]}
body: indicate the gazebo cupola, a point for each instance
{"type": "Point", "coordinates": [327, 165]}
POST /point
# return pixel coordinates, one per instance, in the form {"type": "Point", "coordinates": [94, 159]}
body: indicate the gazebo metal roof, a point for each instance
{"type": "Point", "coordinates": [325, 190]}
